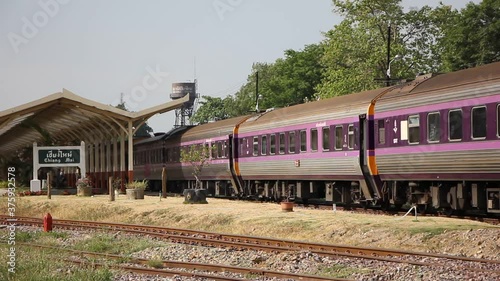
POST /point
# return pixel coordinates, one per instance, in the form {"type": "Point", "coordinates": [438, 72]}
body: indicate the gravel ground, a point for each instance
{"type": "Point", "coordinates": [295, 262]}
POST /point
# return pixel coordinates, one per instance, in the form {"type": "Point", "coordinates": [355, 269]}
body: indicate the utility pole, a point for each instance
{"type": "Point", "coordinates": [256, 87]}
{"type": "Point", "coordinates": [387, 77]}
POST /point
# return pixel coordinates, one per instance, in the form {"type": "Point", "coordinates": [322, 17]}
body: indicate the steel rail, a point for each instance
{"type": "Point", "coordinates": [257, 243]}
{"type": "Point", "coordinates": [219, 268]}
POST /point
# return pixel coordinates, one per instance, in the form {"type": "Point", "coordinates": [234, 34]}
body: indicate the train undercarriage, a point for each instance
{"type": "Point", "coordinates": [428, 197]}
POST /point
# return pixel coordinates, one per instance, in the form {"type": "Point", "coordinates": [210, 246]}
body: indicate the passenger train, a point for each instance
{"type": "Point", "coordinates": [433, 143]}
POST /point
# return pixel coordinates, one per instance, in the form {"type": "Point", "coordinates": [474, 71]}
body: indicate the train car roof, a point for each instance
{"type": "Point", "coordinates": [164, 136]}
{"type": "Point", "coordinates": [478, 74]}
{"type": "Point", "coordinates": [442, 87]}
{"type": "Point", "coordinates": [340, 104]}
{"type": "Point", "coordinates": [213, 129]}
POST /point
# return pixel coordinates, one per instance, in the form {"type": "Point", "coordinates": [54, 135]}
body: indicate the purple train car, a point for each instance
{"type": "Point", "coordinates": [437, 140]}
{"type": "Point", "coordinates": [165, 151]}
{"type": "Point", "coordinates": [433, 142]}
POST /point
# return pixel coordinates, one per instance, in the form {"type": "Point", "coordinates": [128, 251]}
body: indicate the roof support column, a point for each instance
{"type": "Point", "coordinates": [97, 166]}
{"type": "Point", "coordinates": [91, 169]}
{"type": "Point", "coordinates": [130, 152]}
{"type": "Point", "coordinates": [103, 165]}
{"type": "Point", "coordinates": [108, 163]}
{"type": "Point", "coordinates": [122, 160]}
{"type": "Point", "coordinates": [115, 157]}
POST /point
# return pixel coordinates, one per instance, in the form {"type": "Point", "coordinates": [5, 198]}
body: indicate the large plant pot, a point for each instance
{"type": "Point", "coordinates": [195, 196]}
{"type": "Point", "coordinates": [131, 194]}
{"type": "Point", "coordinates": [287, 206]}
{"type": "Point", "coordinates": [84, 191]}
{"type": "Point", "coordinates": [139, 193]}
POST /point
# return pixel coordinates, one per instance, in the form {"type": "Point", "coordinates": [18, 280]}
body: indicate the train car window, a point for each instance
{"type": "Point", "coordinates": [273, 144]}
{"type": "Point", "coordinates": [203, 147]}
{"type": "Point", "coordinates": [433, 127]}
{"type": "Point", "coordinates": [220, 151]}
{"type": "Point", "coordinates": [255, 146]}
{"type": "Point", "coordinates": [177, 153]}
{"type": "Point", "coordinates": [350, 130]}
{"type": "Point", "coordinates": [263, 149]}
{"type": "Point", "coordinates": [303, 141]}
{"type": "Point", "coordinates": [413, 129]}
{"type": "Point", "coordinates": [214, 151]}
{"type": "Point", "coordinates": [291, 142]}
{"type": "Point", "coordinates": [225, 149]}
{"type": "Point", "coordinates": [455, 125]}
{"type": "Point", "coordinates": [326, 138]}
{"type": "Point", "coordinates": [498, 120]}
{"type": "Point", "coordinates": [314, 139]}
{"type": "Point", "coordinates": [243, 147]}
{"type": "Point", "coordinates": [206, 150]}
{"type": "Point", "coordinates": [338, 137]}
{"type": "Point", "coordinates": [478, 122]}
{"type": "Point", "coordinates": [381, 131]}
{"type": "Point", "coordinates": [282, 143]}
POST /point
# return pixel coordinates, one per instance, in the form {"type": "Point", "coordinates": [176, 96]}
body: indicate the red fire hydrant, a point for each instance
{"type": "Point", "coordinates": [47, 223]}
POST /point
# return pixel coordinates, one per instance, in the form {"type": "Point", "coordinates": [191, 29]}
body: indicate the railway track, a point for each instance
{"type": "Point", "coordinates": [191, 269]}
{"type": "Point", "coordinates": [240, 242]}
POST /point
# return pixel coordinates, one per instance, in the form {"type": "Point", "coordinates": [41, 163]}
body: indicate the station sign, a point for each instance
{"type": "Point", "coordinates": [58, 156]}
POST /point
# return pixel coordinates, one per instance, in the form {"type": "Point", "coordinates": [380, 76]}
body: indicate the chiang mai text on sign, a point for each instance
{"type": "Point", "coordinates": [58, 156]}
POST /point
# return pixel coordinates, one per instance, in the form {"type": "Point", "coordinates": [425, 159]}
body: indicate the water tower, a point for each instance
{"type": "Point", "coordinates": [180, 90]}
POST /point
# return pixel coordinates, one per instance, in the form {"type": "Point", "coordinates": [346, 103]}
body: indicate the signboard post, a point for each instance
{"type": "Point", "coordinates": [56, 156]}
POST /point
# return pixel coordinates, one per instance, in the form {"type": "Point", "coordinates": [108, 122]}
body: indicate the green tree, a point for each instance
{"type": "Point", "coordinates": [211, 109]}
{"type": "Point", "coordinates": [245, 99]}
{"type": "Point", "coordinates": [355, 52]}
{"type": "Point", "coordinates": [292, 79]}
{"type": "Point", "coordinates": [470, 37]}
{"type": "Point", "coordinates": [287, 81]}
{"type": "Point", "coordinates": [197, 156]}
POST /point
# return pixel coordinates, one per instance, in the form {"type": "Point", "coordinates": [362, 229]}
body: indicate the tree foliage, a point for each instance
{"type": "Point", "coordinates": [197, 156]}
{"type": "Point", "coordinates": [287, 81]}
{"type": "Point", "coordinates": [212, 109]}
{"type": "Point", "coordinates": [355, 57]}
{"type": "Point", "coordinates": [470, 37]}
{"type": "Point", "coordinates": [292, 79]}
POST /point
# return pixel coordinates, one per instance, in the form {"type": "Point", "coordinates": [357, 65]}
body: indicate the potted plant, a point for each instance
{"type": "Point", "coordinates": [135, 189]}
{"type": "Point", "coordinates": [287, 204]}
{"type": "Point", "coordinates": [84, 187]}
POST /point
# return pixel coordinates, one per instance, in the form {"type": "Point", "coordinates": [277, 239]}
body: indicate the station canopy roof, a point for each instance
{"type": "Point", "coordinates": [65, 117]}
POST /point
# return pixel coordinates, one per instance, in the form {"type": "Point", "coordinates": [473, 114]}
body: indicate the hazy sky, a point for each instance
{"type": "Point", "coordinates": [99, 49]}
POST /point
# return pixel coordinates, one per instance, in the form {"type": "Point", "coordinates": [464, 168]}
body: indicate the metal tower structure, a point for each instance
{"type": "Point", "coordinates": [180, 90]}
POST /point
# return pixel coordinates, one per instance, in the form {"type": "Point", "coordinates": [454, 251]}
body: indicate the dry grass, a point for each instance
{"type": "Point", "coordinates": [267, 219]}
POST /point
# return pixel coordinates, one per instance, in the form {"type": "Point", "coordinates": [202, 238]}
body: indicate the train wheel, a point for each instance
{"type": "Point", "coordinates": [363, 204]}
{"type": "Point", "coordinates": [448, 212]}
{"type": "Point", "coordinates": [385, 206]}
{"type": "Point", "coordinates": [422, 208]}
{"type": "Point", "coordinates": [398, 207]}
